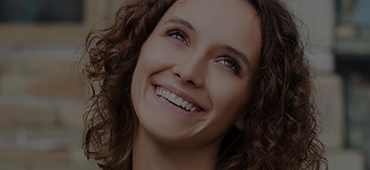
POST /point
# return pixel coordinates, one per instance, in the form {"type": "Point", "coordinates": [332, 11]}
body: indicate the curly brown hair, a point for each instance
{"type": "Point", "coordinates": [280, 126]}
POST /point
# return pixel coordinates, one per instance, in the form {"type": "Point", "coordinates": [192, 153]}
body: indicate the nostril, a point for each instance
{"type": "Point", "coordinates": [177, 75]}
{"type": "Point", "coordinates": [187, 76]}
{"type": "Point", "coordinates": [190, 82]}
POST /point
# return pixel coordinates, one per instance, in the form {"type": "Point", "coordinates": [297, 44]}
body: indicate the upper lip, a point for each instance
{"type": "Point", "coordinates": [179, 93]}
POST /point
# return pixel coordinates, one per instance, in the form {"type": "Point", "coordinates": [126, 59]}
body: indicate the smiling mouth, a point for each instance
{"type": "Point", "coordinates": [176, 100]}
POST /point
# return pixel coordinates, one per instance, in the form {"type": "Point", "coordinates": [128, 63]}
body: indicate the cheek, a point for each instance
{"type": "Point", "coordinates": [155, 55]}
{"type": "Point", "coordinates": [147, 56]}
{"type": "Point", "coordinates": [231, 103]}
{"type": "Point", "coordinates": [227, 105]}
{"type": "Point", "coordinates": [230, 96]}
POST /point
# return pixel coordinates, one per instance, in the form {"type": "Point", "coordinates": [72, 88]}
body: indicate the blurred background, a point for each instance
{"type": "Point", "coordinates": [42, 100]}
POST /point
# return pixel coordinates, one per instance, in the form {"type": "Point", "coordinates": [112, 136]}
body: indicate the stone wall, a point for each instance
{"type": "Point", "coordinates": [41, 108]}
{"type": "Point", "coordinates": [42, 99]}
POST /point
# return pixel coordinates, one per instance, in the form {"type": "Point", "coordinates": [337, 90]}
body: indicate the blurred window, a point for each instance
{"type": "Point", "coordinates": [41, 11]}
{"type": "Point", "coordinates": [353, 26]}
{"type": "Point", "coordinates": [352, 48]}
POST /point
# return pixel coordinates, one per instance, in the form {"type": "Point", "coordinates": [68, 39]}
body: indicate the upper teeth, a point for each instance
{"type": "Point", "coordinates": [173, 98]}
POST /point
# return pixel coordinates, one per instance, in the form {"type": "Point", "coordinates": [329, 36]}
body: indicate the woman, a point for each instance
{"type": "Point", "coordinates": [200, 84]}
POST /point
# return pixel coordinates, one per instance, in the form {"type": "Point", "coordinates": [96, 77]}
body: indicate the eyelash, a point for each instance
{"type": "Point", "coordinates": [178, 34]}
{"type": "Point", "coordinates": [232, 64]}
{"type": "Point", "coordinates": [181, 36]}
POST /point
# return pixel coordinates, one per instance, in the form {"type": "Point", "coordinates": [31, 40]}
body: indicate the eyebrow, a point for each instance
{"type": "Point", "coordinates": [239, 54]}
{"type": "Point", "coordinates": [177, 20]}
{"type": "Point", "coordinates": [234, 51]}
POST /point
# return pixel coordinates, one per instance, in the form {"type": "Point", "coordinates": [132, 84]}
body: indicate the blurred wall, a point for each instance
{"type": "Point", "coordinates": [318, 31]}
{"type": "Point", "coordinates": [41, 97]}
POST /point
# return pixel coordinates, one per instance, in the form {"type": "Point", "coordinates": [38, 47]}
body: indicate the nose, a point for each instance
{"type": "Point", "coordinates": [189, 72]}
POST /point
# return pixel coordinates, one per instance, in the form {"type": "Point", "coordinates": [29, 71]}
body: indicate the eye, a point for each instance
{"type": "Point", "coordinates": [178, 35]}
{"type": "Point", "coordinates": [232, 64]}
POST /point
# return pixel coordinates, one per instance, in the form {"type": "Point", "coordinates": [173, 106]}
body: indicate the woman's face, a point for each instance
{"type": "Point", "coordinates": [194, 73]}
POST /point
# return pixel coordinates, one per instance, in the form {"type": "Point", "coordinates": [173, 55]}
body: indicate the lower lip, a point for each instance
{"type": "Point", "coordinates": [174, 108]}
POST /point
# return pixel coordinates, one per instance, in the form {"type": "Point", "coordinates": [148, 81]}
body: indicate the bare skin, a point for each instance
{"type": "Point", "coordinates": [203, 53]}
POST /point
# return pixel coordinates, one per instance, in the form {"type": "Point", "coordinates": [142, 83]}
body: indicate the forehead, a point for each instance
{"type": "Point", "coordinates": [210, 12]}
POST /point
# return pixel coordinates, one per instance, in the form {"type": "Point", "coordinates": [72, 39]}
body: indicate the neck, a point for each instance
{"type": "Point", "coordinates": [154, 155]}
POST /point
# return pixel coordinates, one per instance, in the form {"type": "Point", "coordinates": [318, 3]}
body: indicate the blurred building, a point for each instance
{"type": "Point", "coordinates": [42, 100]}
{"type": "Point", "coordinates": [338, 47]}
{"type": "Point", "coordinates": [41, 97]}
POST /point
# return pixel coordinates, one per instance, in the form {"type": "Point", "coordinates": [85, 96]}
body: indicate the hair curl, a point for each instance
{"type": "Point", "coordinates": [280, 126]}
